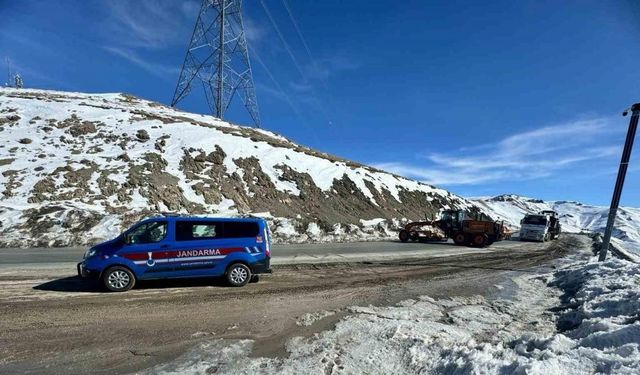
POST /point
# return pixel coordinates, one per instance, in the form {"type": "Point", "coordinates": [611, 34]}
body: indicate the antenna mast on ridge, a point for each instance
{"type": "Point", "coordinates": [218, 57]}
{"type": "Point", "coordinates": [9, 74]}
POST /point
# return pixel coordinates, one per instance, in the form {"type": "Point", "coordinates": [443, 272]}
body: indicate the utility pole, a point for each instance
{"type": "Point", "coordinates": [622, 172]}
{"type": "Point", "coordinates": [218, 57]}
{"type": "Point", "coordinates": [19, 82]}
{"type": "Point", "coordinates": [9, 74]}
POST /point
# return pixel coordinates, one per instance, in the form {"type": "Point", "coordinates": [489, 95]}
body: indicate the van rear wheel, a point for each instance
{"type": "Point", "coordinates": [238, 274]}
{"type": "Point", "coordinates": [118, 279]}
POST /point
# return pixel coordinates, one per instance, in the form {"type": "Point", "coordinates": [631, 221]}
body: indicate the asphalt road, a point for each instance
{"type": "Point", "coordinates": [283, 254]}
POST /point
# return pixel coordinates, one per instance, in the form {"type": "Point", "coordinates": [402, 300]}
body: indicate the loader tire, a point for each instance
{"type": "Point", "coordinates": [459, 239]}
{"type": "Point", "coordinates": [414, 236]}
{"type": "Point", "coordinates": [404, 236]}
{"type": "Point", "coordinates": [480, 240]}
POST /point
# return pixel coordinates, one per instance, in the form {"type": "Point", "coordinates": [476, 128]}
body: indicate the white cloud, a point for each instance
{"type": "Point", "coordinates": [166, 72]}
{"type": "Point", "coordinates": [152, 24]}
{"type": "Point", "coordinates": [540, 153]}
{"type": "Point", "coordinates": [324, 68]}
{"type": "Point", "coordinates": [253, 31]}
{"type": "Point", "coordinates": [135, 29]}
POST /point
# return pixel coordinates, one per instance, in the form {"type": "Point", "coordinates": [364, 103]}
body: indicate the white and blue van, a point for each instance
{"type": "Point", "coordinates": [181, 247]}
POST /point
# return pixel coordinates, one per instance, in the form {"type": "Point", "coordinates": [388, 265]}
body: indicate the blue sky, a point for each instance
{"type": "Point", "coordinates": [481, 98]}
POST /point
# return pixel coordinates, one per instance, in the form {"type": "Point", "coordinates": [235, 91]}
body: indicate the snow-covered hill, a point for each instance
{"type": "Point", "coordinates": [76, 168]}
{"type": "Point", "coordinates": [574, 216]}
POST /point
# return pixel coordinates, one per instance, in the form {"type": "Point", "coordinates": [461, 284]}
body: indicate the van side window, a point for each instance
{"type": "Point", "coordinates": [151, 232]}
{"type": "Point", "coordinates": [240, 229]}
{"type": "Point", "coordinates": [198, 230]}
{"type": "Point", "coordinates": [208, 230]}
{"type": "Point", "coordinates": [204, 230]}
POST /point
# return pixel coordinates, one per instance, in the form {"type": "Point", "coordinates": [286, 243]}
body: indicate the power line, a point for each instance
{"type": "Point", "coordinates": [295, 25]}
{"type": "Point", "coordinates": [282, 39]}
{"type": "Point", "coordinates": [306, 47]}
{"type": "Point", "coordinates": [294, 59]}
{"type": "Point", "coordinates": [277, 84]}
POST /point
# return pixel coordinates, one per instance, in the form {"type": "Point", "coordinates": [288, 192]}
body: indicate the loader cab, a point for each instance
{"type": "Point", "coordinates": [452, 221]}
{"type": "Point", "coordinates": [452, 218]}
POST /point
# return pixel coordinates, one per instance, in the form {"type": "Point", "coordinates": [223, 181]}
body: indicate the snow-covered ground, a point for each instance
{"type": "Point", "coordinates": [575, 217]}
{"type": "Point", "coordinates": [581, 319]}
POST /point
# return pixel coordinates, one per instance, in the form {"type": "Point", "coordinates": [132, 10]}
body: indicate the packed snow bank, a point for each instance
{"type": "Point", "coordinates": [286, 230]}
{"type": "Point", "coordinates": [619, 248]}
{"type": "Point", "coordinates": [581, 319]}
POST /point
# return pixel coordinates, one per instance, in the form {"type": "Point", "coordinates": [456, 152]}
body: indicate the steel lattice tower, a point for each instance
{"type": "Point", "coordinates": [218, 57]}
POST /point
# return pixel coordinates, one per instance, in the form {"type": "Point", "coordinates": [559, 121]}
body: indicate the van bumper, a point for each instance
{"type": "Point", "coordinates": [261, 266]}
{"type": "Point", "coordinates": [86, 273]}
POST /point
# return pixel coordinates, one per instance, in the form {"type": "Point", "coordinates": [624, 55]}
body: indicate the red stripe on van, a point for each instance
{"type": "Point", "coordinates": [158, 254]}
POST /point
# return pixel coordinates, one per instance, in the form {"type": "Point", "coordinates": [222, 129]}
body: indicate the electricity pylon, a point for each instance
{"type": "Point", "coordinates": [218, 57]}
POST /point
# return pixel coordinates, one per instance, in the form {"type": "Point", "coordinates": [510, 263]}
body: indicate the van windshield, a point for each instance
{"type": "Point", "coordinates": [535, 220]}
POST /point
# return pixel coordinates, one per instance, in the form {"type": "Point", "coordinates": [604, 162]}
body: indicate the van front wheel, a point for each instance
{"type": "Point", "coordinates": [238, 274]}
{"type": "Point", "coordinates": [118, 279]}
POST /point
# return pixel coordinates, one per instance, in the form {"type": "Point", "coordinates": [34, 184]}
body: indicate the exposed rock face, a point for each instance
{"type": "Point", "coordinates": [142, 135]}
{"type": "Point", "coordinates": [96, 163]}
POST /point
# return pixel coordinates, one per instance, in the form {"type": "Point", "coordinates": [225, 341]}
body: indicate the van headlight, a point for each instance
{"type": "Point", "coordinates": [90, 253]}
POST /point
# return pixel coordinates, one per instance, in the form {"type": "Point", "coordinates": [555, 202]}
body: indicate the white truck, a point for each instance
{"type": "Point", "coordinates": [542, 227]}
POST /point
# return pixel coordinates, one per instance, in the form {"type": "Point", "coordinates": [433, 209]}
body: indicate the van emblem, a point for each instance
{"type": "Point", "coordinates": [150, 261]}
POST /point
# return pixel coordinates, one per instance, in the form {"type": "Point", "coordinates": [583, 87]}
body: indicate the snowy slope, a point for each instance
{"type": "Point", "coordinates": [75, 168]}
{"type": "Point", "coordinates": [575, 217]}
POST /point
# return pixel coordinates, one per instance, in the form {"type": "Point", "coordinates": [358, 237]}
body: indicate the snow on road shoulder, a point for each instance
{"type": "Point", "coordinates": [581, 319]}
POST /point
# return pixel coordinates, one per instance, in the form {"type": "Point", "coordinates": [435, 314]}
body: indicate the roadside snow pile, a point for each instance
{"type": "Point", "coordinates": [285, 230]}
{"type": "Point", "coordinates": [575, 217]}
{"type": "Point", "coordinates": [625, 249]}
{"type": "Point", "coordinates": [310, 318]}
{"type": "Point", "coordinates": [600, 315]}
{"type": "Point", "coordinates": [77, 167]}
{"type": "Point", "coordinates": [583, 319]}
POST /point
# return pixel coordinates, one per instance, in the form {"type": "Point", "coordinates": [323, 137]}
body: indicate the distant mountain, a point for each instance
{"type": "Point", "coordinates": [574, 216]}
{"type": "Point", "coordinates": [77, 168]}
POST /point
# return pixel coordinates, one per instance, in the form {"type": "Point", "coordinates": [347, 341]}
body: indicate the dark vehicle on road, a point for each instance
{"type": "Point", "coordinates": [181, 247]}
{"type": "Point", "coordinates": [478, 231]}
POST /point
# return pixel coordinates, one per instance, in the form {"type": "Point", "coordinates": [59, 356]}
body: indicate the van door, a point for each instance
{"type": "Point", "coordinates": [198, 247]}
{"type": "Point", "coordinates": [146, 246]}
{"type": "Point", "coordinates": [202, 245]}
